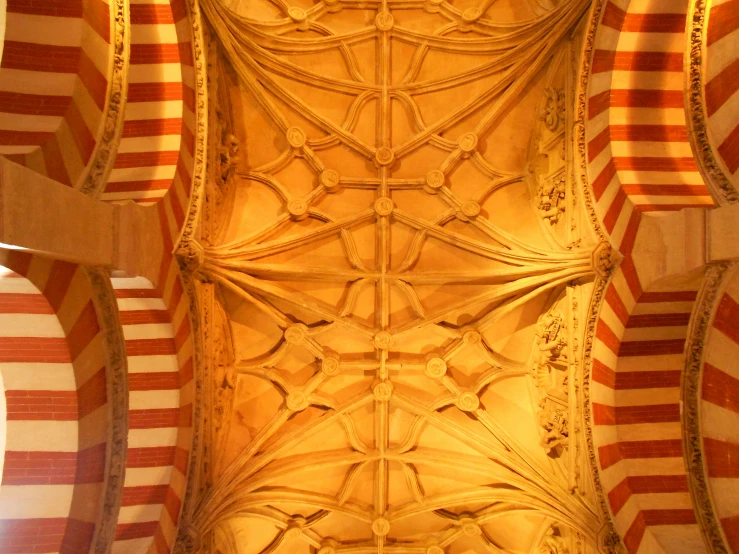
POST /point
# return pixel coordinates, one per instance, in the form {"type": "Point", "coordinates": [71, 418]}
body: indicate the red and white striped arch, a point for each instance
{"type": "Point", "coordinates": [638, 153]}
{"type": "Point", "coordinates": [159, 350]}
{"type": "Point", "coordinates": [638, 361]}
{"type": "Point", "coordinates": [54, 376]}
{"type": "Point", "coordinates": [155, 156]}
{"type": "Point", "coordinates": [53, 84]}
{"type": "Point", "coordinates": [719, 411]}
{"type": "Point", "coordinates": [722, 83]}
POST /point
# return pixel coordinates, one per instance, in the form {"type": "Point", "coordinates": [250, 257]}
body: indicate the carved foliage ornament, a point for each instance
{"type": "Point", "coordinates": [553, 113]}
{"type": "Point", "coordinates": [581, 117]}
{"type": "Point", "coordinates": [711, 167]}
{"type": "Point", "coordinates": [701, 320]}
{"type": "Point", "coordinates": [610, 539]}
{"type": "Point", "coordinates": [197, 195]}
{"type": "Point", "coordinates": [116, 374]}
{"type": "Point", "coordinates": [106, 147]}
{"type": "Point", "coordinates": [201, 121]}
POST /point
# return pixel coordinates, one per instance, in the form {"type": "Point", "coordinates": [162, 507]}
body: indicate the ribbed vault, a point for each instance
{"type": "Point", "coordinates": [395, 273]}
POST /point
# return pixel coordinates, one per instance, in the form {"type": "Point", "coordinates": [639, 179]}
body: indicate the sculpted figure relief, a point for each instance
{"type": "Point", "coordinates": [229, 155]}
{"type": "Point", "coordinates": [188, 540]}
{"type": "Point", "coordinates": [552, 199]}
{"type": "Point", "coordinates": [553, 420]}
{"type": "Point", "coordinates": [190, 256]}
{"type": "Point", "coordinates": [551, 341]}
{"type": "Point", "coordinates": [603, 259]}
{"type": "Point", "coordinates": [554, 542]}
{"type": "Point", "coordinates": [550, 373]}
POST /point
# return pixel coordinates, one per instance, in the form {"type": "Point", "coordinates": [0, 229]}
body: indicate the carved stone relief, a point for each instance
{"type": "Point", "coordinates": [717, 276]}
{"type": "Point", "coordinates": [116, 380]}
{"type": "Point", "coordinates": [550, 166]}
{"type": "Point", "coordinates": [551, 372]}
{"type": "Point", "coordinates": [714, 171]}
{"type": "Point", "coordinates": [94, 178]}
{"type": "Point", "coordinates": [554, 541]}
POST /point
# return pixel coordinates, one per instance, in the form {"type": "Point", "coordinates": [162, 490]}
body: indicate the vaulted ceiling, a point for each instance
{"type": "Point", "coordinates": [399, 265]}
{"type": "Point", "coordinates": [369, 276]}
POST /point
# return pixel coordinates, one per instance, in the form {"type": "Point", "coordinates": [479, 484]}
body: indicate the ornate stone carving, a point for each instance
{"type": "Point", "coordinates": [549, 158]}
{"type": "Point", "coordinates": [223, 360]}
{"type": "Point", "coordinates": [197, 195]}
{"type": "Point", "coordinates": [551, 345]}
{"type": "Point", "coordinates": [551, 372]}
{"type": "Point", "coordinates": [229, 157]}
{"type": "Point", "coordinates": [106, 146]}
{"type": "Point", "coordinates": [711, 166]}
{"type": "Point", "coordinates": [553, 542]}
{"type": "Point", "coordinates": [596, 14]}
{"type": "Point", "coordinates": [197, 192]}
{"type": "Point", "coordinates": [552, 198]}
{"type": "Point", "coordinates": [701, 320]}
{"type": "Point", "coordinates": [603, 259]}
{"type": "Point", "coordinates": [188, 540]}
{"type": "Point", "coordinates": [611, 543]}
{"type": "Point", "coordinates": [224, 156]}
{"type": "Point", "coordinates": [581, 117]}
{"type": "Point", "coordinates": [611, 540]}
{"type": "Point", "coordinates": [116, 376]}
{"type": "Point", "coordinates": [554, 421]}
{"type": "Point", "coordinates": [553, 113]}
{"type": "Point", "coordinates": [190, 256]}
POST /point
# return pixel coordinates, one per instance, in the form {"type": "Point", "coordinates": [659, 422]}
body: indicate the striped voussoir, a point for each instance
{"type": "Point", "coordinates": [155, 155]}
{"type": "Point", "coordinates": [53, 373]}
{"type": "Point", "coordinates": [638, 152]}
{"type": "Point", "coordinates": [53, 84]}
{"type": "Point", "coordinates": [156, 329]}
{"type": "Point", "coordinates": [719, 411]}
{"type": "Point", "coordinates": [638, 360]}
{"type": "Point", "coordinates": [721, 79]}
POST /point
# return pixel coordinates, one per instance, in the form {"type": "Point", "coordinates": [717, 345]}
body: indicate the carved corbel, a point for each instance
{"type": "Point", "coordinates": [188, 540]}
{"type": "Point", "coordinates": [610, 541]}
{"type": "Point", "coordinates": [190, 257]}
{"type": "Point", "coordinates": [605, 260]}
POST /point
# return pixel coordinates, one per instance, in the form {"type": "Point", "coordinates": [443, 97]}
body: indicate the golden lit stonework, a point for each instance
{"type": "Point", "coordinates": [383, 269]}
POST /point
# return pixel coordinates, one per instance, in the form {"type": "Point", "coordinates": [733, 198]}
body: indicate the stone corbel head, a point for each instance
{"type": "Point", "coordinates": [610, 540]}
{"type": "Point", "coordinates": [188, 540]}
{"type": "Point", "coordinates": [604, 260]}
{"type": "Point", "coordinates": [190, 256]}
